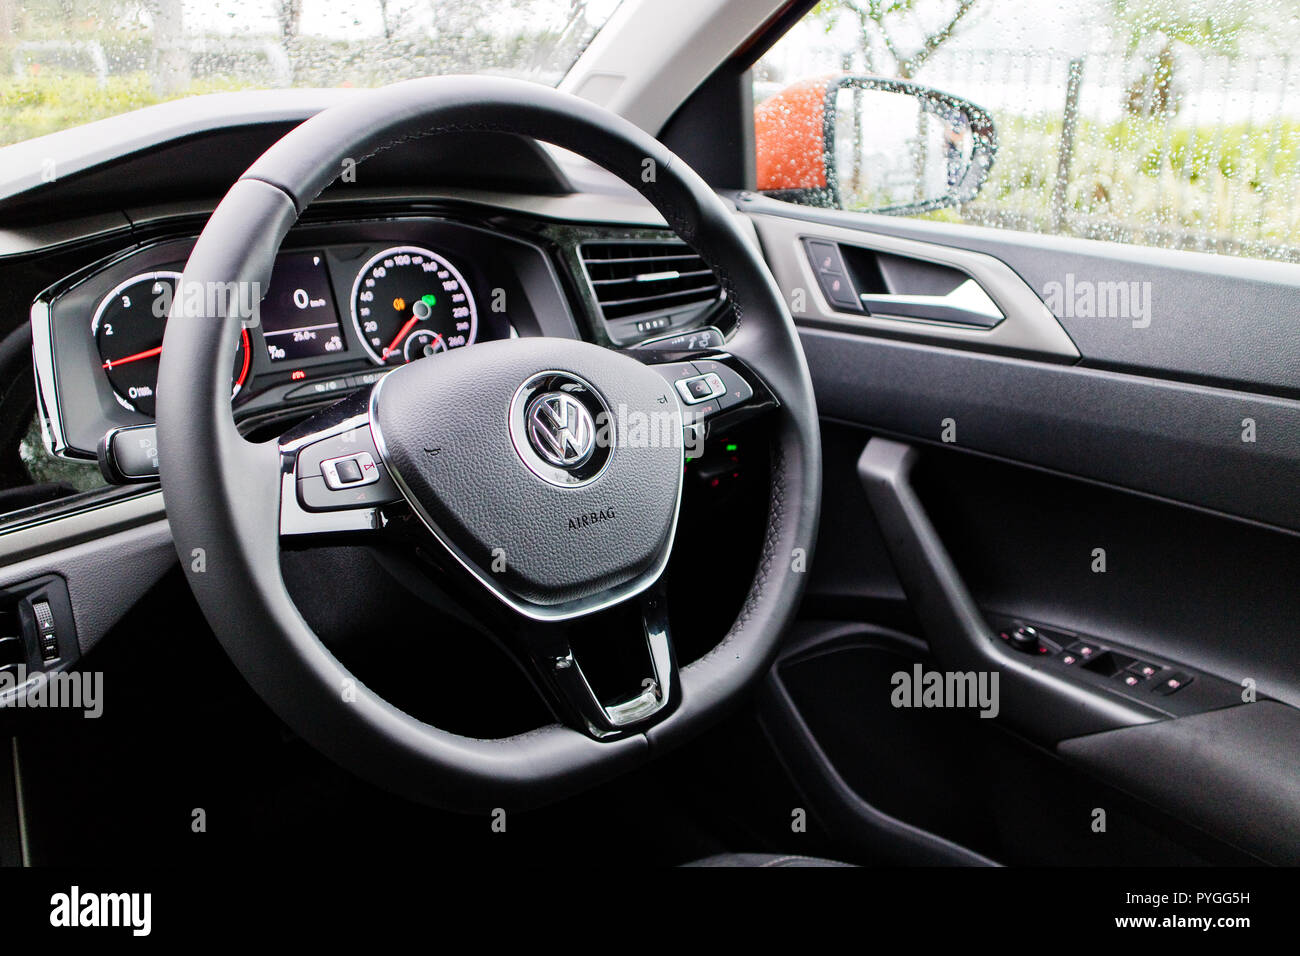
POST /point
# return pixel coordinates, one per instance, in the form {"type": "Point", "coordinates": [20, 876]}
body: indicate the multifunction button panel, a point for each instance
{"type": "Point", "coordinates": [706, 387]}
{"type": "Point", "coordinates": [343, 472]}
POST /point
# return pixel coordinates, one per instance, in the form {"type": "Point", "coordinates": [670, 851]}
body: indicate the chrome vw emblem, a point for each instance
{"type": "Point", "coordinates": [561, 430]}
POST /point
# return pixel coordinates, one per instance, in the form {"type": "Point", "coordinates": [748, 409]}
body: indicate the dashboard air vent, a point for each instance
{"type": "Point", "coordinates": [635, 280]}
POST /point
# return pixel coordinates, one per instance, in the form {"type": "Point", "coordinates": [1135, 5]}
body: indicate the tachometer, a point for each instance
{"type": "Point", "coordinates": [408, 302]}
{"type": "Point", "coordinates": [128, 328]}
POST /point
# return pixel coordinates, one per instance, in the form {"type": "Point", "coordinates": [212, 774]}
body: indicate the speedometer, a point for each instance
{"type": "Point", "coordinates": [408, 302]}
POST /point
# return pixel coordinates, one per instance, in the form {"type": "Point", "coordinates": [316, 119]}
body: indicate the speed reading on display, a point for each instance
{"type": "Point", "coordinates": [409, 302]}
{"type": "Point", "coordinates": [299, 319]}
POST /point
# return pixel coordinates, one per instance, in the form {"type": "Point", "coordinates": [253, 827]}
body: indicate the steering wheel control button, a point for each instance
{"type": "Point", "coordinates": [560, 427]}
{"type": "Point", "coordinates": [129, 454]}
{"type": "Point", "coordinates": [342, 472]}
{"type": "Point", "coordinates": [736, 391]}
{"type": "Point", "coordinates": [701, 388]}
{"type": "Point", "coordinates": [348, 444]}
{"type": "Point", "coordinates": [676, 371]}
{"type": "Point", "coordinates": [347, 471]}
{"type": "Point", "coordinates": [315, 495]}
{"type": "Point", "coordinates": [358, 469]}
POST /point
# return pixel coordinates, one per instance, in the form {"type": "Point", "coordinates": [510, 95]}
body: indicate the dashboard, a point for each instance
{"type": "Point", "coordinates": [348, 300]}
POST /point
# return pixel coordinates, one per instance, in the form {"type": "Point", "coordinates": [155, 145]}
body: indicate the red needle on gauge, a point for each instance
{"type": "Point", "coordinates": [147, 353]}
{"type": "Point", "coordinates": [392, 347]}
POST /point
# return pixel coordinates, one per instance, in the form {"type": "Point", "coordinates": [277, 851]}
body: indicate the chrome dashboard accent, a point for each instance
{"type": "Point", "coordinates": [47, 394]}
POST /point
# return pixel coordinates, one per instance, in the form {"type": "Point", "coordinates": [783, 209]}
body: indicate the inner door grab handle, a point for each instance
{"type": "Point", "coordinates": [1035, 702]}
{"type": "Point", "coordinates": [968, 304]}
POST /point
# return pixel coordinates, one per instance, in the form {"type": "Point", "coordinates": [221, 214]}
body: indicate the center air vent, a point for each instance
{"type": "Point", "coordinates": [648, 287]}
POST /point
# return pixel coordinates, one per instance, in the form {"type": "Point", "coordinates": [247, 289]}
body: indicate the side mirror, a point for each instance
{"type": "Point", "coordinates": [872, 145]}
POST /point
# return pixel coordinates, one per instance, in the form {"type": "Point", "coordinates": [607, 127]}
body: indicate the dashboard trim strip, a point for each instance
{"type": "Point", "coordinates": [75, 527]}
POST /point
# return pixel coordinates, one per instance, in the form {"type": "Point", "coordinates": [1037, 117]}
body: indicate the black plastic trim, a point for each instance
{"type": "Point", "coordinates": [841, 809]}
{"type": "Point", "coordinates": [1229, 773]}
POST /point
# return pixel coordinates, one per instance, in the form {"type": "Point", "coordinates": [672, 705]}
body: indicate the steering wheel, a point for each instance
{"type": "Point", "coordinates": [501, 486]}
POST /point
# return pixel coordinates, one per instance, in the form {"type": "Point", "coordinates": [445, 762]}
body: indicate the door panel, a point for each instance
{"type": "Point", "coordinates": [1000, 475]}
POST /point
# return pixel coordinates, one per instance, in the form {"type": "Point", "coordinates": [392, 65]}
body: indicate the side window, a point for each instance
{"type": "Point", "coordinates": [1170, 123]}
{"type": "Point", "coordinates": [29, 474]}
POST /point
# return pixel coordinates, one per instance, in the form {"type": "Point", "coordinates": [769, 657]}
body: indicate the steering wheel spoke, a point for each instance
{"type": "Point", "coordinates": [332, 478]}
{"type": "Point", "coordinates": [550, 653]}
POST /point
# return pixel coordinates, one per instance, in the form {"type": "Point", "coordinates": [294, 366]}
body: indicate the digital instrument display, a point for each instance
{"type": "Point", "coordinates": [299, 317]}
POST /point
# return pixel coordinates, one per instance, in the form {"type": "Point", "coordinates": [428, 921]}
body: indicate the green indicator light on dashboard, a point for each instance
{"type": "Point", "coordinates": [732, 447]}
{"type": "Point", "coordinates": [429, 299]}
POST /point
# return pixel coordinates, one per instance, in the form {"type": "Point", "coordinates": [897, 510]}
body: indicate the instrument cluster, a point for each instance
{"type": "Point", "coordinates": [344, 304]}
{"type": "Point", "coordinates": [406, 303]}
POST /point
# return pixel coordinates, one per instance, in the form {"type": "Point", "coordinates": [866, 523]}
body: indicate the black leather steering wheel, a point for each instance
{"type": "Point", "coordinates": [469, 480]}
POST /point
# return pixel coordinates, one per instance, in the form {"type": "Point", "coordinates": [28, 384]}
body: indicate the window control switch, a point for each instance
{"type": "Point", "coordinates": [1172, 683]}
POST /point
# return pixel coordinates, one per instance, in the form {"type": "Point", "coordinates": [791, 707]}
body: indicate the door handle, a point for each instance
{"type": "Point", "coordinates": [967, 304]}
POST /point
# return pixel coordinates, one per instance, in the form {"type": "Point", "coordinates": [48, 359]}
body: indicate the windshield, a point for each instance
{"type": "Point", "coordinates": [73, 61]}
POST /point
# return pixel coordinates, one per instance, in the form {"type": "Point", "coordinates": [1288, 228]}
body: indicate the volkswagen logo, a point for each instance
{"type": "Point", "coordinates": [559, 425]}
{"type": "Point", "coordinates": [561, 430]}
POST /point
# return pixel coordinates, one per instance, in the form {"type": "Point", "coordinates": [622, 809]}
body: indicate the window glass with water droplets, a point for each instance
{"type": "Point", "coordinates": [1167, 123]}
{"type": "Point", "coordinates": [68, 62]}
